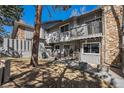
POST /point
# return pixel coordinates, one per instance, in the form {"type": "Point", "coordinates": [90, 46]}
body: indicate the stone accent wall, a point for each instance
{"type": "Point", "coordinates": [111, 36]}
{"type": "Point", "coordinates": [20, 34]}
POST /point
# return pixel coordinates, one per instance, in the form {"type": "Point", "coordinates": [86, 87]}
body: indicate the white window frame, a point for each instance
{"type": "Point", "coordinates": [92, 43]}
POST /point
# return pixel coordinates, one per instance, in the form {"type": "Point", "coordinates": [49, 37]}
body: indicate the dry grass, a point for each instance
{"type": "Point", "coordinates": [48, 74]}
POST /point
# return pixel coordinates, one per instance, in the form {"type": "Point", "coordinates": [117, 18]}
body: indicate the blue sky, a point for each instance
{"type": "Point", "coordinates": [29, 13]}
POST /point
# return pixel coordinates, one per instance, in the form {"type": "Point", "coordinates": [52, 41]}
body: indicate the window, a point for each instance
{"type": "Point", "coordinates": [64, 28]}
{"type": "Point", "coordinates": [95, 48]}
{"type": "Point", "coordinates": [67, 46]}
{"type": "Point", "coordinates": [57, 47]}
{"type": "Point", "coordinates": [86, 48]}
{"type": "Point", "coordinates": [94, 27]}
{"type": "Point", "coordinates": [91, 48]}
{"type": "Point", "coordinates": [89, 28]}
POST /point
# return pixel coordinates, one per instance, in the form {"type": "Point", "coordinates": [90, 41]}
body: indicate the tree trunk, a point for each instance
{"type": "Point", "coordinates": [36, 34]}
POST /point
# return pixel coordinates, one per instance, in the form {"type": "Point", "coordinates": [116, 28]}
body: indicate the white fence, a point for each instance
{"type": "Point", "coordinates": [19, 45]}
{"type": "Point", "coordinates": [23, 46]}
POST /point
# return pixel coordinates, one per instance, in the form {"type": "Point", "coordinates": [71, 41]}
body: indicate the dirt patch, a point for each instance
{"type": "Point", "coordinates": [49, 75]}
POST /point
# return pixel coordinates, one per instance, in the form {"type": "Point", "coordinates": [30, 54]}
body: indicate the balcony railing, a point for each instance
{"type": "Point", "coordinates": [81, 32]}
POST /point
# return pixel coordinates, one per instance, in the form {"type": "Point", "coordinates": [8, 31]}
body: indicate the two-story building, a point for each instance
{"type": "Point", "coordinates": [82, 34]}
{"type": "Point", "coordinates": [94, 36]}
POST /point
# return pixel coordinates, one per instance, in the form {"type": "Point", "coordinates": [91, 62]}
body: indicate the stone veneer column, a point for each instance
{"type": "Point", "coordinates": [111, 37]}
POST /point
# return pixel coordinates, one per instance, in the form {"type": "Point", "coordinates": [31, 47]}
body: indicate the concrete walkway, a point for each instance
{"type": "Point", "coordinates": [112, 77]}
{"type": "Point", "coordinates": [115, 75]}
{"type": "Point", "coordinates": [118, 81]}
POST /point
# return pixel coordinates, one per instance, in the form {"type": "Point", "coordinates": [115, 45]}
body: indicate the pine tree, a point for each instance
{"type": "Point", "coordinates": [8, 14]}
